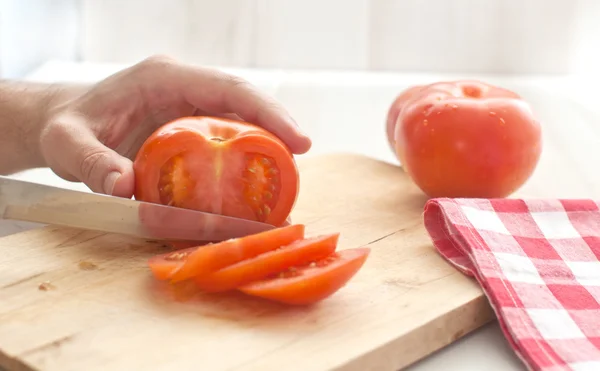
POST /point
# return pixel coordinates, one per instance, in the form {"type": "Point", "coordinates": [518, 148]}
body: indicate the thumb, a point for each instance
{"type": "Point", "coordinates": [77, 151]}
{"type": "Point", "coordinates": [103, 170]}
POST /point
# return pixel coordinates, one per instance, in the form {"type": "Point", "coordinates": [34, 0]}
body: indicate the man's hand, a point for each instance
{"type": "Point", "coordinates": [94, 136]}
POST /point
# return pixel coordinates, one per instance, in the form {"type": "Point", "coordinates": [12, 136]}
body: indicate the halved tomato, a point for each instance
{"type": "Point", "coordinates": [207, 259]}
{"type": "Point", "coordinates": [220, 166]}
{"type": "Point", "coordinates": [297, 253]}
{"type": "Point", "coordinates": [310, 283]}
{"type": "Point", "coordinates": [163, 265]}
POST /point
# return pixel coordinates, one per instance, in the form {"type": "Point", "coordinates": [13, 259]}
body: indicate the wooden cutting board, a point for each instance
{"type": "Point", "coordinates": [76, 300]}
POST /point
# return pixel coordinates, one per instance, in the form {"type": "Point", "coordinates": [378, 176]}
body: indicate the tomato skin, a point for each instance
{"type": "Point", "coordinates": [395, 109]}
{"type": "Point", "coordinates": [297, 253]}
{"type": "Point", "coordinates": [163, 265]}
{"type": "Point", "coordinates": [220, 166]}
{"type": "Point", "coordinates": [468, 139]}
{"type": "Point", "coordinates": [310, 284]}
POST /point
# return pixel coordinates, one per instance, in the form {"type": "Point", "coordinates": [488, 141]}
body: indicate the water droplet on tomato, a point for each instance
{"type": "Point", "coordinates": [427, 109]}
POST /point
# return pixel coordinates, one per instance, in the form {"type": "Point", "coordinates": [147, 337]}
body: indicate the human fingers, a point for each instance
{"type": "Point", "coordinates": [211, 90]}
{"type": "Point", "coordinates": [233, 94]}
{"type": "Point", "coordinates": [230, 116]}
{"type": "Point", "coordinates": [69, 144]}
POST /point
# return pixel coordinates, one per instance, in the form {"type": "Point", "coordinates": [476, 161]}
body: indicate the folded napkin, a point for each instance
{"type": "Point", "coordinates": [538, 262]}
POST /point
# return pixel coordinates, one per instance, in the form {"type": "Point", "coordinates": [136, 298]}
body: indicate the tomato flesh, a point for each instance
{"type": "Point", "coordinates": [207, 259]}
{"type": "Point", "coordinates": [219, 166]}
{"type": "Point", "coordinates": [297, 253]}
{"type": "Point", "coordinates": [310, 283]}
{"type": "Point", "coordinates": [250, 178]}
{"type": "Point", "coordinates": [163, 265]}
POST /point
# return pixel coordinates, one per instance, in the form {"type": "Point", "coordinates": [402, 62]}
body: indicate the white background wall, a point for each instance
{"type": "Point", "coordinates": [32, 31]}
{"type": "Point", "coordinates": [506, 36]}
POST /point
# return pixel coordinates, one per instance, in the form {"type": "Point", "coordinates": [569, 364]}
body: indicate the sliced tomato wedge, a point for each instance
{"type": "Point", "coordinates": [310, 283]}
{"type": "Point", "coordinates": [163, 265]}
{"type": "Point", "coordinates": [207, 259]}
{"type": "Point", "coordinates": [297, 253]}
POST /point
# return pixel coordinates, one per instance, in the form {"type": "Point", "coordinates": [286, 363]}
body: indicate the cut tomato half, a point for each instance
{"type": "Point", "coordinates": [310, 283]}
{"type": "Point", "coordinates": [207, 259]}
{"type": "Point", "coordinates": [220, 166]}
{"type": "Point", "coordinates": [163, 265]}
{"type": "Point", "coordinates": [297, 253]}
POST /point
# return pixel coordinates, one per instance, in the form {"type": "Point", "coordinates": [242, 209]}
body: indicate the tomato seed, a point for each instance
{"type": "Point", "coordinates": [492, 113]}
{"type": "Point", "coordinates": [176, 256]}
{"type": "Point", "coordinates": [327, 260]}
{"type": "Point", "coordinates": [425, 122]}
{"type": "Point", "coordinates": [268, 195]}
{"type": "Point", "coordinates": [502, 122]}
{"type": "Point", "coordinates": [266, 209]}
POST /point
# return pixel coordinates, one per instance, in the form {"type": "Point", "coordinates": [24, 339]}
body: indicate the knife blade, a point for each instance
{"type": "Point", "coordinates": [35, 202]}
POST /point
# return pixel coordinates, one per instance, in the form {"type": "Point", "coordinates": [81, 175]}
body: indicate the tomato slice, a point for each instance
{"type": "Point", "coordinates": [312, 282]}
{"type": "Point", "coordinates": [220, 166]}
{"type": "Point", "coordinates": [209, 258]}
{"type": "Point", "coordinates": [297, 253]}
{"type": "Point", "coordinates": [163, 265]}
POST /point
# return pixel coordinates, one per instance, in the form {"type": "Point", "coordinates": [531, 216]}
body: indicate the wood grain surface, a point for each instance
{"type": "Point", "coordinates": [78, 300]}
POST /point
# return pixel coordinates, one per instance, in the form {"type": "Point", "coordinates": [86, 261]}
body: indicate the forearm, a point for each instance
{"type": "Point", "coordinates": [24, 109]}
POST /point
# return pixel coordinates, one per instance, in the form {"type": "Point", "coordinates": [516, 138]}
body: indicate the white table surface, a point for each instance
{"type": "Point", "coordinates": [346, 111]}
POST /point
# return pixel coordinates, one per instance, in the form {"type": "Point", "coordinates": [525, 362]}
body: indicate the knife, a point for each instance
{"type": "Point", "coordinates": [34, 202]}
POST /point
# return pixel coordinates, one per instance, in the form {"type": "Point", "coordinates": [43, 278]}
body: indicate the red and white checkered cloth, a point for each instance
{"type": "Point", "coordinates": [538, 262]}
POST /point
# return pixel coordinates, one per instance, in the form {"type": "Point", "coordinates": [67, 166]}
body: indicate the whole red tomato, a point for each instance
{"type": "Point", "coordinates": [467, 139]}
{"type": "Point", "coordinates": [218, 165]}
